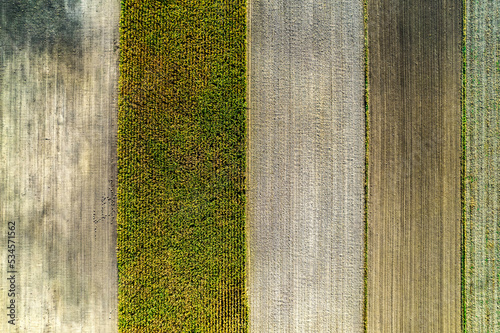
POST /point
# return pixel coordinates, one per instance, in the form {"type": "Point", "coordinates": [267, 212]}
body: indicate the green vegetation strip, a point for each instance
{"type": "Point", "coordinates": [367, 174]}
{"type": "Point", "coordinates": [464, 167]}
{"type": "Point", "coordinates": [482, 172]}
{"type": "Point", "coordinates": [181, 249]}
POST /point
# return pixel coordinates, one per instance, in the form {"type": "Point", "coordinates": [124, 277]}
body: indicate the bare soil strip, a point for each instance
{"type": "Point", "coordinates": [306, 155]}
{"type": "Point", "coordinates": [414, 210]}
{"type": "Point", "coordinates": [482, 177]}
{"type": "Point", "coordinates": [58, 108]}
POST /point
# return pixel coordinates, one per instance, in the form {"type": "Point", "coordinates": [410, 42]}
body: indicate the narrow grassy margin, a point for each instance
{"type": "Point", "coordinates": [181, 150]}
{"type": "Point", "coordinates": [463, 167]}
{"type": "Point", "coordinates": [367, 174]}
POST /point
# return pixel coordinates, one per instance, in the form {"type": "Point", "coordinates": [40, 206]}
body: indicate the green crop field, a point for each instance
{"type": "Point", "coordinates": [181, 140]}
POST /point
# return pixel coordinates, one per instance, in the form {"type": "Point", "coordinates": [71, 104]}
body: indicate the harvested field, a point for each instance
{"type": "Point", "coordinates": [306, 158]}
{"type": "Point", "coordinates": [181, 167]}
{"type": "Point", "coordinates": [482, 176]}
{"type": "Point", "coordinates": [414, 201]}
{"type": "Point", "coordinates": [58, 110]}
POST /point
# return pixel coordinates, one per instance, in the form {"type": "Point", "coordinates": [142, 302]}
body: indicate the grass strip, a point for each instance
{"type": "Point", "coordinates": [367, 174]}
{"type": "Point", "coordinates": [181, 139]}
{"type": "Point", "coordinates": [463, 169]}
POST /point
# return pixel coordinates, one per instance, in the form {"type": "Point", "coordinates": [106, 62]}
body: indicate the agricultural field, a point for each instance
{"type": "Point", "coordinates": [306, 166]}
{"type": "Point", "coordinates": [181, 149]}
{"type": "Point", "coordinates": [58, 165]}
{"type": "Point", "coordinates": [250, 166]}
{"type": "Point", "coordinates": [414, 168]}
{"type": "Point", "coordinates": [482, 166]}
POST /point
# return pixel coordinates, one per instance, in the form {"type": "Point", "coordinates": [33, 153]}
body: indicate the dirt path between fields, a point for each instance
{"type": "Point", "coordinates": [414, 222]}
{"type": "Point", "coordinates": [306, 158]}
{"type": "Point", "coordinates": [58, 109]}
{"type": "Point", "coordinates": [483, 167]}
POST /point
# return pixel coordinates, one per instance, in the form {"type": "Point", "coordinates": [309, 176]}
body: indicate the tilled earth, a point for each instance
{"type": "Point", "coordinates": [414, 203]}
{"type": "Point", "coordinates": [306, 155]}
{"type": "Point", "coordinates": [58, 108]}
